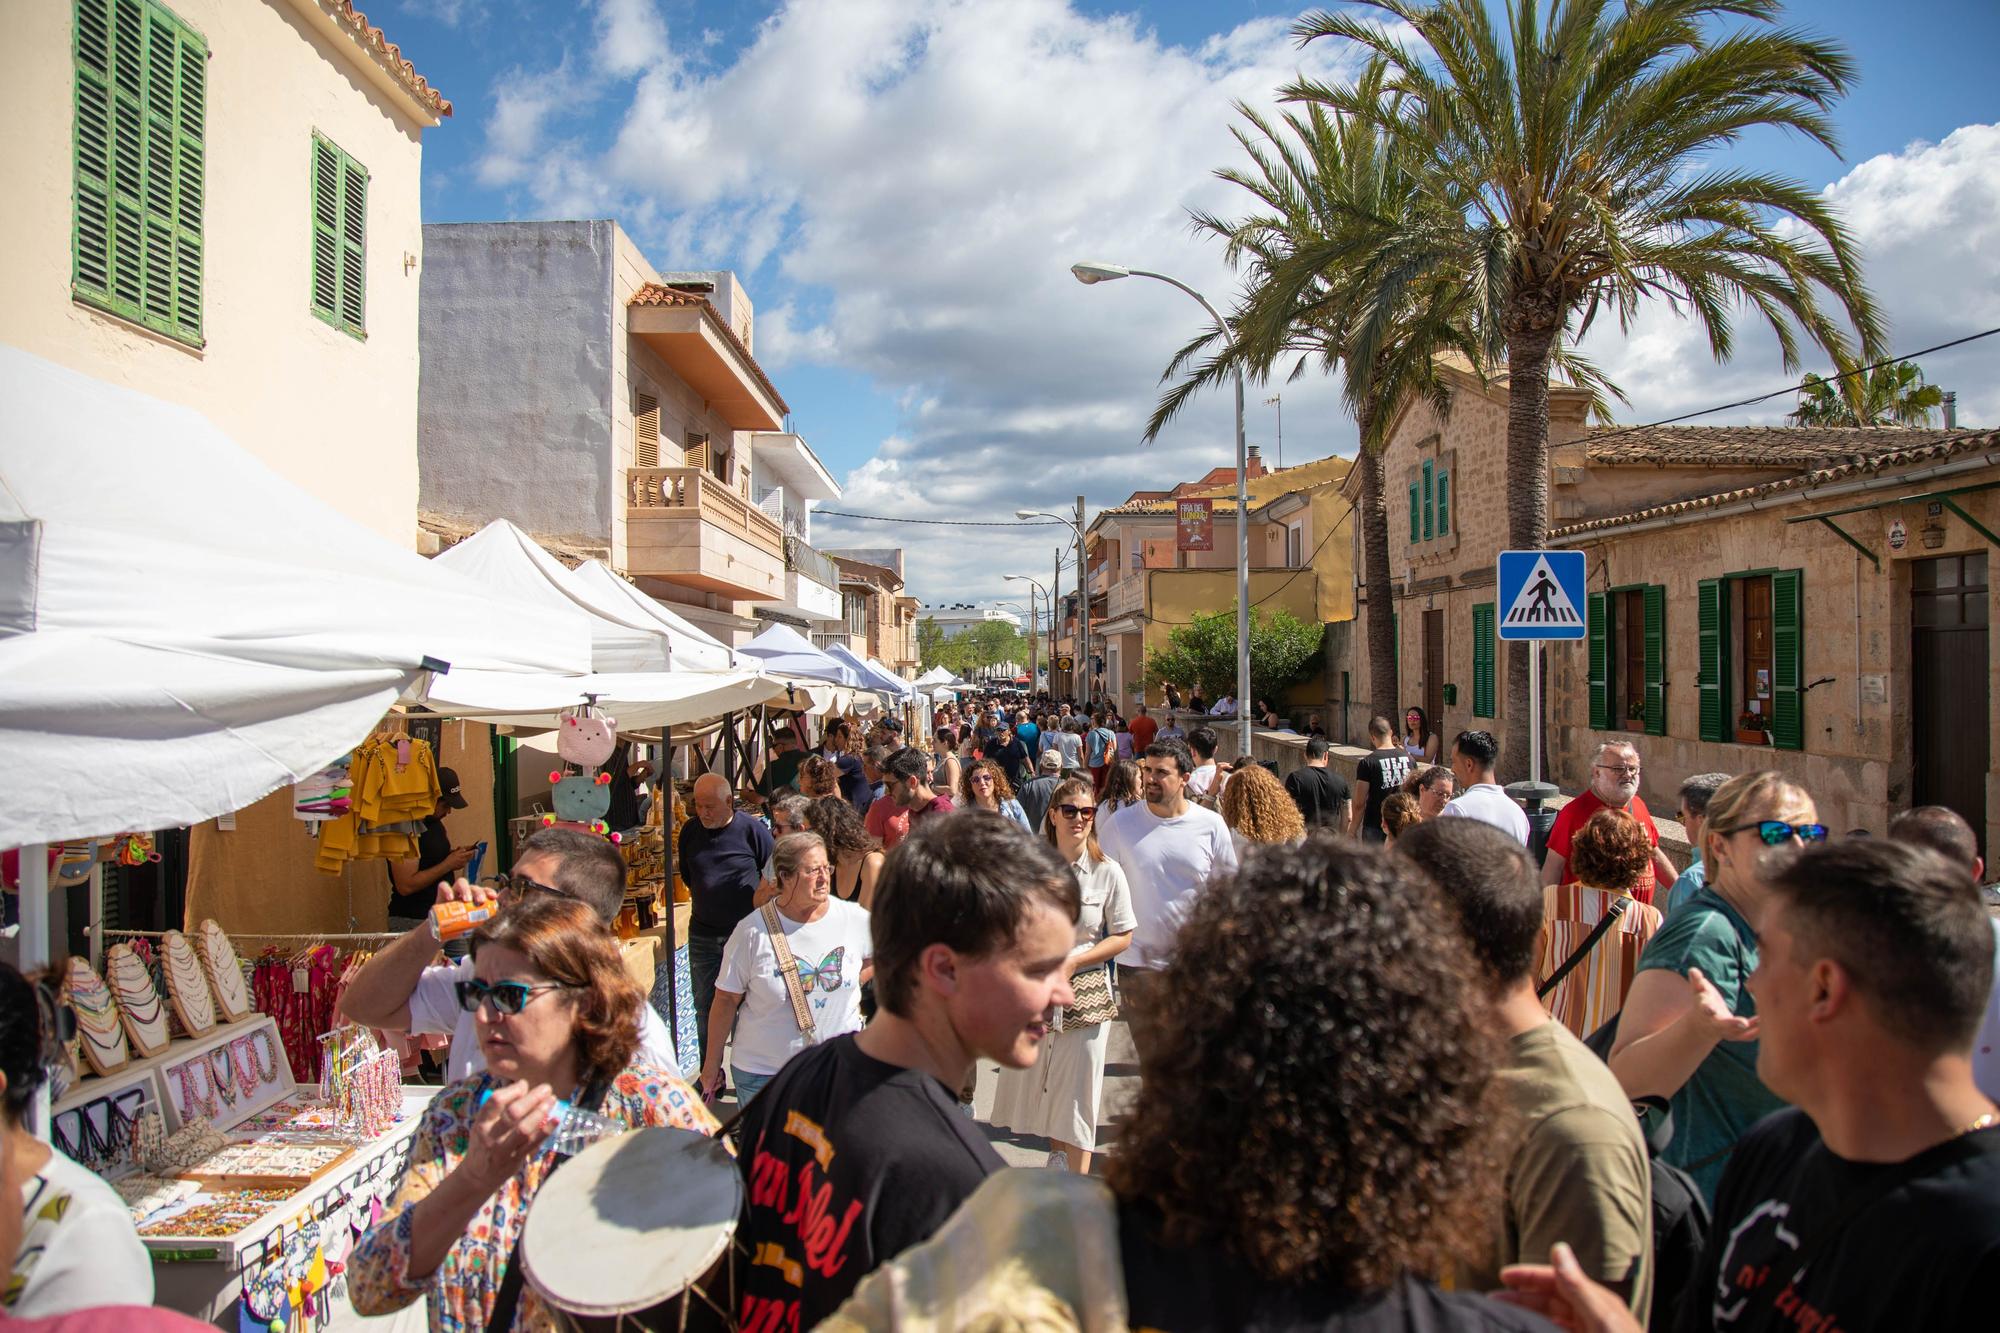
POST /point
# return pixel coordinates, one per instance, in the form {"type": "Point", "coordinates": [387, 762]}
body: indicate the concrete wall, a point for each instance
{"type": "Point", "coordinates": [517, 377]}
{"type": "Point", "coordinates": [332, 413]}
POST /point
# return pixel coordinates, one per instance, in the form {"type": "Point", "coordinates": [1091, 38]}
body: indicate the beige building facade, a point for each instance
{"type": "Point", "coordinates": [216, 202]}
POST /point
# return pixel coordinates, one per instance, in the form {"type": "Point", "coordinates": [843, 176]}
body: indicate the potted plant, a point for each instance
{"type": "Point", "coordinates": [1753, 729]}
{"type": "Point", "coordinates": [1635, 713]}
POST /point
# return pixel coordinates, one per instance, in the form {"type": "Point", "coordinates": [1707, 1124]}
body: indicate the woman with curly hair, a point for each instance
{"type": "Point", "coordinates": [1399, 811]}
{"type": "Point", "coordinates": [1432, 788]}
{"type": "Point", "coordinates": [1319, 1193]}
{"type": "Point", "coordinates": [1121, 788]}
{"type": "Point", "coordinates": [819, 776]}
{"type": "Point", "coordinates": [857, 861]}
{"type": "Point", "coordinates": [1257, 808]}
{"type": "Point", "coordinates": [1610, 857]}
{"type": "Point", "coordinates": [985, 787]}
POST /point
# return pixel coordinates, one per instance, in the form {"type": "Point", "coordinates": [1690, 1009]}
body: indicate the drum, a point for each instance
{"type": "Point", "coordinates": [630, 1231]}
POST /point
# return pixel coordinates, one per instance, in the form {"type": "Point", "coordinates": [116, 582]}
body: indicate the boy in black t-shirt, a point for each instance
{"type": "Point", "coordinates": [857, 1149]}
{"type": "Point", "coordinates": [1873, 1203]}
{"type": "Point", "coordinates": [1379, 774]}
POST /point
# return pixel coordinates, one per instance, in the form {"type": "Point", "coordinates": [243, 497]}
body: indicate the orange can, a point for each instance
{"type": "Point", "coordinates": [455, 919]}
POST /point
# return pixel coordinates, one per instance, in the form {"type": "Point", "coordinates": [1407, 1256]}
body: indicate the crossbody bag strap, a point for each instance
{"type": "Point", "coordinates": [1597, 932]}
{"type": "Point", "coordinates": [507, 1300]}
{"type": "Point", "coordinates": [788, 968]}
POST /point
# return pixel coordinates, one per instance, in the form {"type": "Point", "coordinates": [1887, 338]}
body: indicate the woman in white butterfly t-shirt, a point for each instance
{"type": "Point", "coordinates": [827, 937]}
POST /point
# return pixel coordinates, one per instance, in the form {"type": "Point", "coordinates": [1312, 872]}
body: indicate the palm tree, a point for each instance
{"type": "Point", "coordinates": [1577, 145]}
{"type": "Point", "coordinates": [1885, 396]}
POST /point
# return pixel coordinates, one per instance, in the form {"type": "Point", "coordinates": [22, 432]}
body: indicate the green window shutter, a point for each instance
{"type": "Point", "coordinates": [140, 151]}
{"type": "Point", "coordinates": [1655, 598]}
{"type": "Point", "coordinates": [353, 245]}
{"type": "Point", "coordinates": [1444, 503]}
{"type": "Point", "coordinates": [1416, 519]}
{"type": "Point", "coordinates": [1482, 659]}
{"type": "Point", "coordinates": [326, 228]}
{"type": "Point", "coordinates": [1713, 639]}
{"type": "Point", "coordinates": [1788, 722]}
{"type": "Point", "coordinates": [1599, 634]}
{"type": "Point", "coordinates": [339, 238]}
{"type": "Point", "coordinates": [1430, 518]}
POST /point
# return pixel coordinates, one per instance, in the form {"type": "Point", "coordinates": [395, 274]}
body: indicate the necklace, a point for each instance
{"type": "Point", "coordinates": [96, 1016]}
{"type": "Point", "coordinates": [265, 1052]}
{"type": "Point", "coordinates": [190, 987]}
{"type": "Point", "coordinates": [221, 1076]}
{"type": "Point", "coordinates": [1984, 1122]}
{"type": "Point", "coordinates": [190, 1103]}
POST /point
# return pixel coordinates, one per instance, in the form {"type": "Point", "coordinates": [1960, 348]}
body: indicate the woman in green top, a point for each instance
{"type": "Point", "coordinates": [1689, 1027]}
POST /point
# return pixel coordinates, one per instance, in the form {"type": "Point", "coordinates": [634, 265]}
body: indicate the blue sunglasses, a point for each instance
{"type": "Point", "coordinates": [1776, 832]}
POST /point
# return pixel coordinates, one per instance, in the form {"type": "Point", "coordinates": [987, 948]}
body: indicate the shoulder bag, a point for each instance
{"type": "Point", "coordinates": [788, 968]}
{"type": "Point", "coordinates": [1590, 941]}
{"type": "Point", "coordinates": [1096, 1000]}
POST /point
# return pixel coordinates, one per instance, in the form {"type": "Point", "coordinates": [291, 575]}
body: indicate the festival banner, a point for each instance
{"type": "Point", "coordinates": [1194, 525]}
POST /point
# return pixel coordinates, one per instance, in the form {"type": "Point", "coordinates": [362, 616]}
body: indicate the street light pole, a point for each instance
{"type": "Point", "coordinates": [1095, 273]}
{"type": "Point", "coordinates": [1035, 586]}
{"type": "Point", "coordinates": [1082, 591]}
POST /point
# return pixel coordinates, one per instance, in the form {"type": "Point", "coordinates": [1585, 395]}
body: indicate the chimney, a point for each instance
{"type": "Point", "coordinates": [1253, 464]}
{"type": "Point", "coordinates": [1951, 409]}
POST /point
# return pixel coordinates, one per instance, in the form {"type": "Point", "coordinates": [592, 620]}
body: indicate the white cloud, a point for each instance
{"type": "Point", "coordinates": [523, 104]}
{"type": "Point", "coordinates": [631, 37]}
{"type": "Point", "coordinates": [447, 12]}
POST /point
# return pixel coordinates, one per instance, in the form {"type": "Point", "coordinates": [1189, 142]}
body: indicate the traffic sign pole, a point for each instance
{"type": "Point", "coordinates": [1535, 711]}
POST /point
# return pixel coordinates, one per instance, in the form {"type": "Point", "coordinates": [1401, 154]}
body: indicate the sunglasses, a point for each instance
{"type": "Point", "coordinates": [521, 886]}
{"type": "Point", "coordinates": [1776, 832]}
{"type": "Point", "coordinates": [1076, 811]}
{"type": "Point", "coordinates": [507, 997]}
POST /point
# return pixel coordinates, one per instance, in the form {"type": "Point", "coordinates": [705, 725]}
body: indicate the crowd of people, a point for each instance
{"type": "Point", "coordinates": [1395, 1069]}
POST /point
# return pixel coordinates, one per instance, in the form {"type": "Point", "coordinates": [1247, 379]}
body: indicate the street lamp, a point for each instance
{"type": "Point", "coordinates": [1092, 273]}
{"type": "Point", "coordinates": [1075, 525]}
{"type": "Point", "coordinates": [1034, 670]}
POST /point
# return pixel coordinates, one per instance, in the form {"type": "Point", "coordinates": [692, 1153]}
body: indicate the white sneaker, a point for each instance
{"type": "Point", "coordinates": [1058, 1160]}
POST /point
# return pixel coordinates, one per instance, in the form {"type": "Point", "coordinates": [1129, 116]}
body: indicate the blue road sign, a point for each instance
{"type": "Point", "coordinates": [1541, 594]}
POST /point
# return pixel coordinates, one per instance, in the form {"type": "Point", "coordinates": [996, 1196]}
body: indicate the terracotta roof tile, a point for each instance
{"type": "Point", "coordinates": [1750, 446]}
{"type": "Point", "coordinates": [388, 53]}
{"type": "Point", "coordinates": [666, 294]}
{"type": "Point", "coordinates": [1932, 450]}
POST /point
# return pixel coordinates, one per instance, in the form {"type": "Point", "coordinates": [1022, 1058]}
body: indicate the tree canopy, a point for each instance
{"type": "Point", "coordinates": [1202, 654]}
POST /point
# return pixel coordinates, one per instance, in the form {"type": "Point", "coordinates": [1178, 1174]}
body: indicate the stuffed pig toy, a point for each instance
{"type": "Point", "coordinates": [586, 739]}
{"type": "Point", "coordinates": [581, 801]}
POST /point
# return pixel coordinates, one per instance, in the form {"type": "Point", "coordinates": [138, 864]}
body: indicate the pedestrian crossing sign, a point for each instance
{"type": "Point", "coordinates": [1541, 594]}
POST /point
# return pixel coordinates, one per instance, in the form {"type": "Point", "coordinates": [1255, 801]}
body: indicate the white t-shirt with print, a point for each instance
{"type": "Point", "coordinates": [79, 1249]}
{"type": "Point", "coordinates": [434, 1009]}
{"type": "Point", "coordinates": [830, 954]}
{"type": "Point", "coordinates": [1166, 862]}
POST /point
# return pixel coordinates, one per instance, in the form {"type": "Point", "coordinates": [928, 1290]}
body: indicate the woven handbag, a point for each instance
{"type": "Point", "coordinates": [1096, 1001]}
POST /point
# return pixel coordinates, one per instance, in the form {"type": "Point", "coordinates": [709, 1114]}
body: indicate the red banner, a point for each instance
{"type": "Point", "coordinates": [1194, 525]}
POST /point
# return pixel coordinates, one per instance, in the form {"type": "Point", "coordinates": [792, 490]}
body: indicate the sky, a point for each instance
{"type": "Point", "coordinates": [902, 185]}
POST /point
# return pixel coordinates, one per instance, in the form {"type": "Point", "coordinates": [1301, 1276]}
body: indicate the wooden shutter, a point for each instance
{"type": "Point", "coordinates": [353, 245]}
{"type": "Point", "coordinates": [1788, 723]}
{"type": "Point", "coordinates": [1430, 518]}
{"type": "Point", "coordinates": [646, 432]}
{"type": "Point", "coordinates": [1444, 502]}
{"type": "Point", "coordinates": [326, 229]}
{"type": "Point", "coordinates": [1654, 597]}
{"type": "Point", "coordinates": [141, 107]}
{"type": "Point", "coordinates": [1599, 634]}
{"type": "Point", "coordinates": [339, 238]}
{"type": "Point", "coordinates": [696, 451]}
{"type": "Point", "coordinates": [1482, 659]}
{"type": "Point", "coordinates": [1711, 633]}
{"type": "Point", "coordinates": [1416, 519]}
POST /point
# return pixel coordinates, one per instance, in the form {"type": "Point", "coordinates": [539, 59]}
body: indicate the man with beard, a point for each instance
{"type": "Point", "coordinates": [1614, 785]}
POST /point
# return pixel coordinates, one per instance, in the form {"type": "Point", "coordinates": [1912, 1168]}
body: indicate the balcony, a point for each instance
{"type": "Point", "coordinates": [1126, 596]}
{"type": "Point", "coordinates": [812, 583]}
{"type": "Point", "coordinates": [683, 525]}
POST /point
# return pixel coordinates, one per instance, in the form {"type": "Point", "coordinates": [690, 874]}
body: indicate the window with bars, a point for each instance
{"type": "Point", "coordinates": [339, 238]}
{"type": "Point", "coordinates": [140, 150]}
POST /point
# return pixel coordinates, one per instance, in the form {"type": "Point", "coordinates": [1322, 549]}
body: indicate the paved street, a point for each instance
{"type": "Point", "coordinates": [1121, 1084]}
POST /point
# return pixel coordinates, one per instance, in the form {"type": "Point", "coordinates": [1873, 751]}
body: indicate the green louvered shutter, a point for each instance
{"type": "Point", "coordinates": [1788, 723]}
{"type": "Point", "coordinates": [1482, 659]}
{"type": "Point", "coordinates": [326, 229]}
{"type": "Point", "coordinates": [1430, 518]}
{"type": "Point", "coordinates": [1416, 518]}
{"type": "Point", "coordinates": [339, 238]}
{"type": "Point", "coordinates": [1655, 598]}
{"type": "Point", "coordinates": [141, 110]}
{"type": "Point", "coordinates": [1444, 503]}
{"type": "Point", "coordinates": [353, 245]}
{"type": "Point", "coordinates": [1599, 633]}
{"type": "Point", "coordinates": [1716, 724]}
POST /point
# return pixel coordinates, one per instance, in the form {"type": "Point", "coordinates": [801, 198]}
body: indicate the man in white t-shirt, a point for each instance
{"type": "Point", "coordinates": [1168, 848]}
{"type": "Point", "coordinates": [1473, 758]}
{"type": "Point", "coordinates": [401, 991]}
{"type": "Point", "coordinates": [1201, 785]}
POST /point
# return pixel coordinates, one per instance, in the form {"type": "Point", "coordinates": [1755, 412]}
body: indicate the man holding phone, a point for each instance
{"type": "Point", "coordinates": [413, 885]}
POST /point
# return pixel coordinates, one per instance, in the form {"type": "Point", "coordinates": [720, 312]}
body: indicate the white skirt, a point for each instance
{"type": "Point", "coordinates": [1058, 1096]}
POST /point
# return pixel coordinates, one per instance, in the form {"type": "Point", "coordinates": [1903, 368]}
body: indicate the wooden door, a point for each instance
{"type": "Point", "coordinates": [1433, 683]}
{"type": "Point", "coordinates": [1949, 703]}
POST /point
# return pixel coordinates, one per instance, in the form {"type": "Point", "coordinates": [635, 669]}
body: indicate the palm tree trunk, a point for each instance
{"type": "Point", "coordinates": [1375, 577]}
{"type": "Point", "coordinates": [1531, 326]}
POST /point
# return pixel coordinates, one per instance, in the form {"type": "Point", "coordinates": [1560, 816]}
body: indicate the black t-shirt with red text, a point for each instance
{"type": "Point", "coordinates": [1925, 1255]}
{"type": "Point", "coordinates": [848, 1162]}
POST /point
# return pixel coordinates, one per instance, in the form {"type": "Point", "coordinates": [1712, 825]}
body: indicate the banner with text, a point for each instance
{"type": "Point", "coordinates": [1194, 525]}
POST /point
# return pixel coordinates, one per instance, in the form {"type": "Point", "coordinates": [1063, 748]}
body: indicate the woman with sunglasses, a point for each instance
{"type": "Point", "coordinates": [554, 1006]}
{"type": "Point", "coordinates": [1689, 1027]}
{"type": "Point", "coordinates": [1058, 1097]}
{"type": "Point", "coordinates": [827, 939]}
{"type": "Point", "coordinates": [985, 787]}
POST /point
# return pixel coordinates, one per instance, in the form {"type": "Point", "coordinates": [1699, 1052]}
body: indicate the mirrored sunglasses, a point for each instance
{"type": "Point", "coordinates": [1774, 832]}
{"type": "Point", "coordinates": [508, 997]}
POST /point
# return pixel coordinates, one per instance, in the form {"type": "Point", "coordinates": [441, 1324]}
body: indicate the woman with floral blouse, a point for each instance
{"type": "Point", "coordinates": [553, 1005]}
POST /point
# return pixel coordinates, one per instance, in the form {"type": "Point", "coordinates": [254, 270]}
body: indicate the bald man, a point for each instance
{"type": "Point", "coordinates": [723, 856]}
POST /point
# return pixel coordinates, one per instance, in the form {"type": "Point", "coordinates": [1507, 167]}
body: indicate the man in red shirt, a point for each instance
{"type": "Point", "coordinates": [1614, 785]}
{"type": "Point", "coordinates": [906, 784]}
{"type": "Point", "coordinates": [1143, 729]}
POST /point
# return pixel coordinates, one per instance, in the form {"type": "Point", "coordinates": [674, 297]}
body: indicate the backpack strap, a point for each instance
{"type": "Point", "coordinates": [788, 968]}
{"type": "Point", "coordinates": [1590, 941]}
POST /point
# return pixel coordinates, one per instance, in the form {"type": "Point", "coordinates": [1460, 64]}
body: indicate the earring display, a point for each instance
{"type": "Point", "coordinates": [187, 985]}
{"type": "Point", "coordinates": [225, 973]}
{"type": "Point", "coordinates": [98, 1026]}
{"type": "Point", "coordinates": [140, 1007]}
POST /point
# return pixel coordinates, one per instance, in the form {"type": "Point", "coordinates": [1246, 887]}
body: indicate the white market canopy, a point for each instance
{"type": "Point", "coordinates": [693, 649]}
{"type": "Point", "coordinates": [510, 563]}
{"type": "Point", "coordinates": [783, 651]}
{"type": "Point", "coordinates": [867, 674]}
{"type": "Point", "coordinates": [182, 631]}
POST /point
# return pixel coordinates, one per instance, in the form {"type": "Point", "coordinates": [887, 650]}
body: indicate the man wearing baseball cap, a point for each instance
{"type": "Point", "coordinates": [413, 885]}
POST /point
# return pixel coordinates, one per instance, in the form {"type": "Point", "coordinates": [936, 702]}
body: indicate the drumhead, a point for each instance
{"type": "Point", "coordinates": [631, 1221]}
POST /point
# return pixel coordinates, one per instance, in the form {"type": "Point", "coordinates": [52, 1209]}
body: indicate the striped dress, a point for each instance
{"type": "Point", "coordinates": [1595, 989]}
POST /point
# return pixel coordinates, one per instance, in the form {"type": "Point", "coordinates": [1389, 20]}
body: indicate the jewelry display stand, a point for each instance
{"type": "Point", "coordinates": [226, 1075]}
{"type": "Point", "coordinates": [187, 984]}
{"type": "Point", "coordinates": [140, 1004]}
{"type": "Point", "coordinates": [225, 972]}
{"type": "Point", "coordinates": [98, 1026]}
{"type": "Point", "coordinates": [98, 1099]}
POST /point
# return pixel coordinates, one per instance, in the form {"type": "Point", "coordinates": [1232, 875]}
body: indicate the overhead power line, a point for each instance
{"type": "Point", "coordinates": [950, 522]}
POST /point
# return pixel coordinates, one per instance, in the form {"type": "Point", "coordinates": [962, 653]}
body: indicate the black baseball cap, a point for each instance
{"type": "Point", "coordinates": [448, 790]}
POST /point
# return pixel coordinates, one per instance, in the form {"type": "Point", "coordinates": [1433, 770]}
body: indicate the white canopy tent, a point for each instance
{"type": "Point", "coordinates": [512, 564]}
{"type": "Point", "coordinates": [693, 649]}
{"type": "Point", "coordinates": [867, 673]}
{"type": "Point", "coordinates": [784, 652]}
{"type": "Point", "coordinates": [182, 631]}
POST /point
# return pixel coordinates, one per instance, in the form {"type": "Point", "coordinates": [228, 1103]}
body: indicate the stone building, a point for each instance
{"type": "Point", "coordinates": [878, 620]}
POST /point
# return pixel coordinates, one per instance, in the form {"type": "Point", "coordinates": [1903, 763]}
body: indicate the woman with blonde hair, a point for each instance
{"type": "Point", "coordinates": [1689, 1027]}
{"type": "Point", "coordinates": [1060, 1095]}
{"type": "Point", "coordinates": [985, 787]}
{"type": "Point", "coordinates": [1258, 809]}
{"type": "Point", "coordinates": [819, 776]}
{"type": "Point", "coordinates": [1609, 859]}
